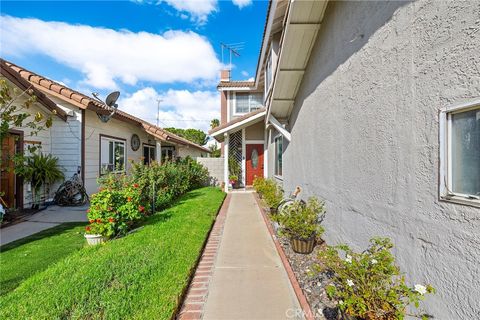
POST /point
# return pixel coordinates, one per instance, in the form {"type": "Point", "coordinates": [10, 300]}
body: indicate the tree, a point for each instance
{"type": "Point", "coordinates": [215, 151]}
{"type": "Point", "coordinates": [214, 123]}
{"type": "Point", "coordinates": [15, 115]}
{"type": "Point", "coordinates": [194, 135]}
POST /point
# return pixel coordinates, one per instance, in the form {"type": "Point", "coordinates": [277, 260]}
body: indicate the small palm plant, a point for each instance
{"type": "Point", "coordinates": [39, 170]}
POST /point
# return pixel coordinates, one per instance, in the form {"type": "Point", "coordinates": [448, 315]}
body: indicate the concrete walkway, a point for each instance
{"type": "Point", "coordinates": [46, 219]}
{"type": "Point", "coordinates": [248, 280]}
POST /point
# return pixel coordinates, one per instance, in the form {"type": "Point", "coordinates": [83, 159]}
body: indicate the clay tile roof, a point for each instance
{"type": "Point", "coordinates": [13, 76]}
{"type": "Point", "coordinates": [85, 102]}
{"type": "Point", "coordinates": [236, 120]}
{"type": "Point", "coordinates": [236, 84]}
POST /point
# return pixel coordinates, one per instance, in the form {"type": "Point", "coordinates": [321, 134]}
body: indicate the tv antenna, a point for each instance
{"type": "Point", "coordinates": [110, 102]}
{"type": "Point", "coordinates": [232, 49]}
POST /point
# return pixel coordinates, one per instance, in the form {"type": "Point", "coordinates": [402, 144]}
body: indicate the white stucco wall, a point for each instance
{"type": "Point", "coordinates": [365, 137]}
{"type": "Point", "coordinates": [114, 128]}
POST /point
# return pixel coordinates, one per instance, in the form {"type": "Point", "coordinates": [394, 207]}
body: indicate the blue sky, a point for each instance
{"type": "Point", "coordinates": [148, 50]}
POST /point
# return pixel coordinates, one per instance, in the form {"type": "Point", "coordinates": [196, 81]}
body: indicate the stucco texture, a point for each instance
{"type": "Point", "coordinates": [365, 137]}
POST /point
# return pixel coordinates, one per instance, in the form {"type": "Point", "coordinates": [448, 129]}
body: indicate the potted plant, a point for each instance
{"type": "Point", "coordinates": [368, 285]}
{"type": "Point", "coordinates": [300, 222]}
{"type": "Point", "coordinates": [94, 233]}
{"type": "Point", "coordinates": [39, 170]}
{"type": "Point", "coordinates": [233, 179]}
{"type": "Point", "coordinates": [235, 172]}
{"type": "Point", "coordinates": [116, 208]}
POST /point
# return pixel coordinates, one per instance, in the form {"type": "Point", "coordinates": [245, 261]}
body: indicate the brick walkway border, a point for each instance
{"type": "Point", "coordinates": [196, 296]}
{"type": "Point", "coordinates": [307, 311]}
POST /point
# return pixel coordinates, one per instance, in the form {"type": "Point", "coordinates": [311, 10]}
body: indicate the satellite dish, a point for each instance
{"type": "Point", "coordinates": [110, 102]}
{"type": "Point", "coordinates": [112, 98]}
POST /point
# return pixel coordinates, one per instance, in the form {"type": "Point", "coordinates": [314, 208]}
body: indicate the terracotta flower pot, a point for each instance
{"type": "Point", "coordinates": [303, 246]}
{"type": "Point", "coordinates": [94, 239]}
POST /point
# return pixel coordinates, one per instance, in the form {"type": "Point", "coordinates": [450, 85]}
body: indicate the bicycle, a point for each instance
{"type": "Point", "coordinates": [71, 193]}
{"type": "Point", "coordinates": [288, 202]}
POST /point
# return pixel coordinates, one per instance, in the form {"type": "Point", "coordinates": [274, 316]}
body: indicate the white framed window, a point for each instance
{"type": "Point", "coordinates": [278, 155]}
{"type": "Point", "coordinates": [168, 153]}
{"type": "Point", "coordinates": [148, 153]}
{"type": "Point", "coordinates": [460, 154]}
{"type": "Point", "coordinates": [247, 102]}
{"type": "Point", "coordinates": [112, 154]}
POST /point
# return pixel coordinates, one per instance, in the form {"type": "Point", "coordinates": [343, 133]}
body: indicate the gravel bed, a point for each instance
{"type": "Point", "coordinates": [312, 283]}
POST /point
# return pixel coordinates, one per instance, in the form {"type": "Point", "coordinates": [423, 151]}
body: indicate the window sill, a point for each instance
{"type": "Point", "coordinates": [461, 200]}
{"type": "Point", "coordinates": [278, 177]}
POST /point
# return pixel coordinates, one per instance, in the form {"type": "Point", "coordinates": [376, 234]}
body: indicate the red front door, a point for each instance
{"type": "Point", "coordinates": [254, 162]}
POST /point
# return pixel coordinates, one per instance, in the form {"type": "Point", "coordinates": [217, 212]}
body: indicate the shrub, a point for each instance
{"type": "Point", "coordinates": [116, 207]}
{"type": "Point", "coordinates": [301, 220]}
{"type": "Point", "coordinates": [369, 285]}
{"type": "Point", "coordinates": [259, 184]}
{"type": "Point", "coordinates": [272, 193]}
{"type": "Point", "coordinates": [124, 200]}
{"type": "Point", "coordinates": [168, 181]}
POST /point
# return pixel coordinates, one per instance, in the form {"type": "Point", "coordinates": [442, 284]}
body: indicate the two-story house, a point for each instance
{"type": "Point", "coordinates": [374, 107]}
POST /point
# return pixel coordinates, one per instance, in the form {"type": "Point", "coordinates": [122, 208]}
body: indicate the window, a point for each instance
{"type": "Point", "coordinates": [168, 153]}
{"type": "Point", "coordinates": [148, 154]}
{"type": "Point", "coordinates": [268, 74]}
{"type": "Point", "coordinates": [460, 154]}
{"type": "Point", "coordinates": [247, 102]}
{"type": "Point", "coordinates": [112, 155]}
{"type": "Point", "coordinates": [278, 155]}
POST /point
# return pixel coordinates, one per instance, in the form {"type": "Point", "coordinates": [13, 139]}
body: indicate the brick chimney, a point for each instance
{"type": "Point", "coordinates": [224, 75]}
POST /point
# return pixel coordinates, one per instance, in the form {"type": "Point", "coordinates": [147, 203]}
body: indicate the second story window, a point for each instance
{"type": "Point", "coordinates": [247, 102]}
{"type": "Point", "coordinates": [268, 74]}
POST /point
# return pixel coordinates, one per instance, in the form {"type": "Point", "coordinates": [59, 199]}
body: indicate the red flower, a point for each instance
{"type": "Point", "coordinates": [87, 228]}
{"type": "Point", "coordinates": [141, 208]}
{"type": "Point", "coordinates": [91, 220]}
{"type": "Point", "coordinates": [135, 185]}
{"type": "Point", "coordinates": [88, 210]}
{"type": "Point", "coordinates": [99, 220]}
{"type": "Point", "coordinates": [129, 199]}
{"type": "Point", "coordinates": [111, 220]}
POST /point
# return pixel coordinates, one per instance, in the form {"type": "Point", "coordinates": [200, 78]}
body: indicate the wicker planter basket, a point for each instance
{"type": "Point", "coordinates": [303, 246]}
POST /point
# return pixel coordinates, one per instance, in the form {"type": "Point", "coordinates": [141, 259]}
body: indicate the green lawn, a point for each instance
{"type": "Point", "coordinates": [23, 258]}
{"type": "Point", "coordinates": [140, 276]}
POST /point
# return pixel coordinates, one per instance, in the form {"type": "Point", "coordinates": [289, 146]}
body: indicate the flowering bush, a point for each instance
{"type": "Point", "coordinates": [302, 220]}
{"type": "Point", "coordinates": [369, 285]}
{"type": "Point", "coordinates": [116, 207]}
{"type": "Point", "coordinates": [169, 180]}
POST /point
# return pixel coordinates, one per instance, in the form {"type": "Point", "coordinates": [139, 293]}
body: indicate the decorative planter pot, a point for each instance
{"type": "Point", "coordinates": [303, 246]}
{"type": "Point", "coordinates": [94, 239]}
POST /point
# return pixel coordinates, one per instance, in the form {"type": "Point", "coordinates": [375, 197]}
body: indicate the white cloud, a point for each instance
{"type": "Point", "coordinates": [242, 3]}
{"type": "Point", "coordinates": [106, 56]}
{"type": "Point", "coordinates": [178, 108]}
{"type": "Point", "coordinates": [244, 73]}
{"type": "Point", "coordinates": [199, 10]}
